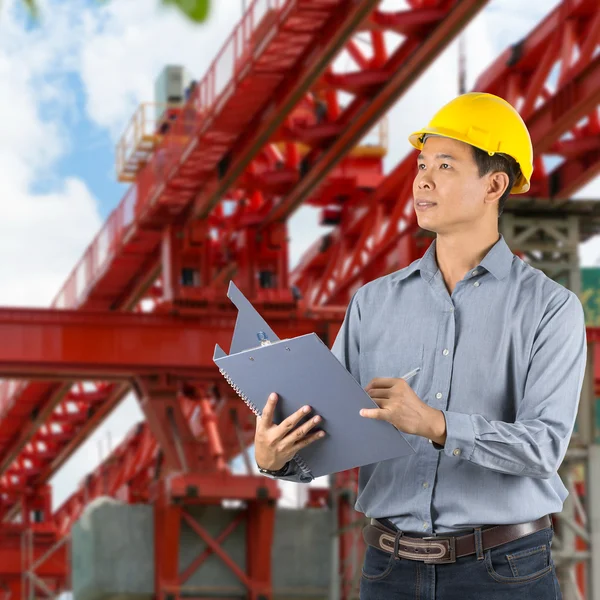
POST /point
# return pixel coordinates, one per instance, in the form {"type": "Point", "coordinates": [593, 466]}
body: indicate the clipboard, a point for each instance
{"type": "Point", "coordinates": [302, 370]}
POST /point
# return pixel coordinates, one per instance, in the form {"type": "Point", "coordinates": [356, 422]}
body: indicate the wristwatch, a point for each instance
{"type": "Point", "coordinates": [278, 473]}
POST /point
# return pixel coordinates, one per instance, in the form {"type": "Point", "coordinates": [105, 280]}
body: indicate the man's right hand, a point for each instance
{"type": "Point", "coordinates": [275, 445]}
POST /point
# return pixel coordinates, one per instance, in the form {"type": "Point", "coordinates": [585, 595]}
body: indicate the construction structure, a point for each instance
{"type": "Point", "coordinates": [216, 168]}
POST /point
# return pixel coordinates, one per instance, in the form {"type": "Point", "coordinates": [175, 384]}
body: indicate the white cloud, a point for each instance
{"type": "Point", "coordinates": [128, 44]}
{"type": "Point", "coordinates": [41, 234]}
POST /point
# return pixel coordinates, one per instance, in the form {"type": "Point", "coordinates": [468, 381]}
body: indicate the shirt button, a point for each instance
{"type": "Point", "coordinates": [456, 452]}
{"type": "Point", "coordinates": [476, 284]}
{"type": "Point", "coordinates": [438, 395]}
{"type": "Point", "coordinates": [446, 352]}
{"type": "Point", "coordinates": [425, 525]}
{"type": "Point", "coordinates": [430, 441]}
{"type": "Point", "coordinates": [425, 485]}
{"type": "Point", "coordinates": [475, 272]}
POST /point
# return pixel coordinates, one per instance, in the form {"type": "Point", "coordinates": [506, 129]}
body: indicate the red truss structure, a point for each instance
{"type": "Point", "coordinates": [273, 125]}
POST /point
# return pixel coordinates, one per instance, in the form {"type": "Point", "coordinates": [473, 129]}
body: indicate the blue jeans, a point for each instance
{"type": "Point", "coordinates": [521, 570]}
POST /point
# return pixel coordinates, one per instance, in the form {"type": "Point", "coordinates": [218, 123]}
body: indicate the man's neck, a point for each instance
{"type": "Point", "coordinates": [457, 254]}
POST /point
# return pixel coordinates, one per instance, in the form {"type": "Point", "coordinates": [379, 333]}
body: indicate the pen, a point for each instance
{"type": "Point", "coordinates": [411, 374]}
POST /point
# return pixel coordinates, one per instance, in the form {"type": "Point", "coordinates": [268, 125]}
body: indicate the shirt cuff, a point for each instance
{"type": "Point", "coordinates": [460, 435]}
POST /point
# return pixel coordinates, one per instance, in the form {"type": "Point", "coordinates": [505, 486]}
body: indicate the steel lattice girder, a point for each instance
{"type": "Point", "coordinates": [54, 395]}
{"type": "Point", "coordinates": [69, 344]}
{"type": "Point", "coordinates": [122, 261]}
{"type": "Point", "coordinates": [523, 78]}
{"type": "Point", "coordinates": [433, 28]}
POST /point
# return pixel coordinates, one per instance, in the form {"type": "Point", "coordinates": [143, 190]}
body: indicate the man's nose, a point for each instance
{"type": "Point", "coordinates": [425, 183]}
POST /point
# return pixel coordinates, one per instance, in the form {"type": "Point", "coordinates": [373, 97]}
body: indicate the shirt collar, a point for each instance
{"type": "Point", "coordinates": [497, 261]}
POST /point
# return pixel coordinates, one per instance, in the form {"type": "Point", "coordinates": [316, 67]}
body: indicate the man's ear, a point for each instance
{"type": "Point", "coordinates": [496, 186]}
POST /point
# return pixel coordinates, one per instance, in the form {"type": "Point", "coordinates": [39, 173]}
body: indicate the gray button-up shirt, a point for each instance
{"type": "Point", "coordinates": [503, 357]}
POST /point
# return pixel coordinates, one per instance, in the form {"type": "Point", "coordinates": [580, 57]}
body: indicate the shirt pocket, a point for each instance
{"type": "Point", "coordinates": [394, 362]}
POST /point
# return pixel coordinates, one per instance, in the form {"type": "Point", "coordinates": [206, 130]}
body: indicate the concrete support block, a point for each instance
{"type": "Point", "coordinates": [113, 553]}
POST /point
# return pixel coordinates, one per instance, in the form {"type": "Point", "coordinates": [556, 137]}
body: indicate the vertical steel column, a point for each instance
{"type": "Point", "coordinates": [260, 528]}
{"type": "Point", "coordinates": [167, 529]}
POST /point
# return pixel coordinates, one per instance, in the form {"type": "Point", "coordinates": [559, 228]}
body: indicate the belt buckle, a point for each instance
{"type": "Point", "coordinates": [451, 558]}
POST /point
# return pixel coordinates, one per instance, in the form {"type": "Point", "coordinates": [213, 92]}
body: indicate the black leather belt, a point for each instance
{"type": "Point", "coordinates": [446, 549]}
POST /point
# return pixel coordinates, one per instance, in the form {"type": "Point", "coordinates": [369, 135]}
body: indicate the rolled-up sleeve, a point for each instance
{"type": "Point", "coordinates": [536, 443]}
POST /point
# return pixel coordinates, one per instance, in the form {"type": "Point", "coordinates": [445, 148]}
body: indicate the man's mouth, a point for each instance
{"type": "Point", "coordinates": [424, 205]}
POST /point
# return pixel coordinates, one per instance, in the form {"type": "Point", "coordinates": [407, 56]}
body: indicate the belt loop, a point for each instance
{"type": "Point", "coordinates": [478, 543]}
{"type": "Point", "coordinates": [397, 544]}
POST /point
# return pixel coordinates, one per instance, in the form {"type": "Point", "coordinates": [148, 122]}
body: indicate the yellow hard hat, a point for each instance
{"type": "Point", "coordinates": [487, 122]}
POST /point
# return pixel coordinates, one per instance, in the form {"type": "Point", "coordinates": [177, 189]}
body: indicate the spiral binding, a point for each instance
{"type": "Point", "coordinates": [239, 392]}
{"type": "Point", "coordinates": [297, 458]}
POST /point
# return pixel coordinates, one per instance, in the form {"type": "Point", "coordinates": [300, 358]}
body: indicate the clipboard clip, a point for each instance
{"type": "Point", "coordinates": [263, 338]}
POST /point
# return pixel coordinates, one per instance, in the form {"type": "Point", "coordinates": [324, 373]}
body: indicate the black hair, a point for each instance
{"type": "Point", "coordinates": [498, 162]}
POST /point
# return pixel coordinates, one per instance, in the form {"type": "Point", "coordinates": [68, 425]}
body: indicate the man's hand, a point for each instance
{"type": "Point", "coordinates": [275, 445]}
{"type": "Point", "coordinates": [400, 406]}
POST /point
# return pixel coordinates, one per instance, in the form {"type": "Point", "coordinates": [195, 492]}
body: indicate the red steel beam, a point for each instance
{"type": "Point", "coordinates": [285, 48]}
{"type": "Point", "coordinates": [344, 19]}
{"type": "Point", "coordinates": [44, 553]}
{"type": "Point", "coordinates": [132, 466]}
{"type": "Point", "coordinates": [581, 163]}
{"type": "Point", "coordinates": [68, 344]}
{"type": "Point", "coordinates": [438, 26]}
{"type": "Point", "coordinates": [48, 344]}
{"type": "Point", "coordinates": [575, 99]}
{"type": "Point", "coordinates": [367, 243]}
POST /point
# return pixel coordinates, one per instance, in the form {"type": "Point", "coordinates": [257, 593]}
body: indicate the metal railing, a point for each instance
{"type": "Point", "coordinates": [240, 49]}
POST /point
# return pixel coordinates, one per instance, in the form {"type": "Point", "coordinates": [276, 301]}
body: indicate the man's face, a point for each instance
{"type": "Point", "coordinates": [447, 175]}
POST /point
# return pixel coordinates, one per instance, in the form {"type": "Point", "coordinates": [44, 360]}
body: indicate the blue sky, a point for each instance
{"type": "Point", "coordinates": [92, 156]}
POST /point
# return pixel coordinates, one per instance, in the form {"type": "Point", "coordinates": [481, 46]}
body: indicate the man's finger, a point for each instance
{"type": "Point", "coordinates": [309, 439]}
{"type": "Point", "coordinates": [290, 422]}
{"type": "Point", "coordinates": [374, 413]}
{"type": "Point", "coordinates": [379, 393]}
{"type": "Point", "coordinates": [381, 382]}
{"type": "Point", "coordinates": [266, 419]}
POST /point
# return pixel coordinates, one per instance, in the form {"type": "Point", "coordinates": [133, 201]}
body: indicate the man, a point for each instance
{"type": "Point", "coordinates": [502, 351]}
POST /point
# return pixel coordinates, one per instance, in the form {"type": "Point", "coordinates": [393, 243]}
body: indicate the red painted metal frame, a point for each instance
{"type": "Point", "coordinates": [381, 82]}
{"type": "Point", "coordinates": [331, 139]}
{"type": "Point", "coordinates": [374, 235]}
{"type": "Point", "coordinates": [46, 344]}
{"type": "Point", "coordinates": [122, 260]}
{"type": "Point", "coordinates": [122, 226]}
{"type": "Point", "coordinates": [46, 555]}
{"type": "Point", "coordinates": [259, 518]}
{"type": "Point", "coordinates": [87, 345]}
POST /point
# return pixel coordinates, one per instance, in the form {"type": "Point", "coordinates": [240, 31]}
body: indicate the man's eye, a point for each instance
{"type": "Point", "coordinates": [445, 165]}
{"type": "Point", "coordinates": [421, 166]}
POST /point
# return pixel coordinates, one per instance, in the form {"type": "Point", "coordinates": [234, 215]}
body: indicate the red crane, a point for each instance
{"type": "Point", "coordinates": [211, 189]}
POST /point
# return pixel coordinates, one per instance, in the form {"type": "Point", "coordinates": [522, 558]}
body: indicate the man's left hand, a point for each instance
{"type": "Point", "coordinates": [400, 406]}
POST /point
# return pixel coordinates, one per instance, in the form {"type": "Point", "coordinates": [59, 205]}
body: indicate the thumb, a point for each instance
{"type": "Point", "coordinates": [373, 413]}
